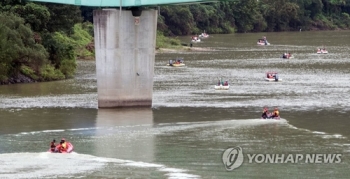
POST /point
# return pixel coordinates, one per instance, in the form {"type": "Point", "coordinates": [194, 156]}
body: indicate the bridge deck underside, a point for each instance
{"type": "Point", "coordinates": [123, 3]}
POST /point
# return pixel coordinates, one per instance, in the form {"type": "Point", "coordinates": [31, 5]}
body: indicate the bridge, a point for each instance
{"type": "Point", "coordinates": [125, 41]}
{"type": "Point", "coordinates": [124, 3]}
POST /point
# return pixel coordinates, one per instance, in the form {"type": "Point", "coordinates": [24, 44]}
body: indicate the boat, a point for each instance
{"type": "Point", "coordinates": [272, 76]}
{"type": "Point", "coordinates": [322, 51]}
{"type": "Point", "coordinates": [178, 62]}
{"type": "Point", "coordinates": [57, 149]}
{"type": "Point", "coordinates": [204, 35]}
{"type": "Point", "coordinates": [222, 85]}
{"type": "Point", "coordinates": [287, 56]}
{"type": "Point", "coordinates": [270, 116]}
{"type": "Point", "coordinates": [262, 41]}
{"type": "Point", "coordinates": [195, 39]}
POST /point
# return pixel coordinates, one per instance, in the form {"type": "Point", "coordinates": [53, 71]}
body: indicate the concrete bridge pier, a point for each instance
{"type": "Point", "coordinates": [125, 52]}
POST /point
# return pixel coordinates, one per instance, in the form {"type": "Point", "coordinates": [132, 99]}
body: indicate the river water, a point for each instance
{"type": "Point", "coordinates": [190, 125]}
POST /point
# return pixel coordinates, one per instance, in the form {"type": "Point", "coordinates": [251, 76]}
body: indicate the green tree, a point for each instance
{"type": "Point", "coordinates": [245, 14]}
{"type": "Point", "coordinates": [62, 52]}
{"type": "Point", "coordinates": [63, 17]}
{"type": "Point", "coordinates": [36, 15]}
{"type": "Point", "coordinates": [18, 47]}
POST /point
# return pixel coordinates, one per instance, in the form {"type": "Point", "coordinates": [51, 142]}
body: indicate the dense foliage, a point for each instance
{"type": "Point", "coordinates": [41, 41]}
{"type": "Point", "coordinates": [254, 16]}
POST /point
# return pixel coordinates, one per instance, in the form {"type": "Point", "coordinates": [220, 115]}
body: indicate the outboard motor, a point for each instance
{"type": "Point", "coordinates": [276, 77]}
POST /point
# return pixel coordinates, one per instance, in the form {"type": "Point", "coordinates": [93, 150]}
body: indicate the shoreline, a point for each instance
{"type": "Point", "coordinates": [20, 79]}
{"type": "Point", "coordinates": [183, 49]}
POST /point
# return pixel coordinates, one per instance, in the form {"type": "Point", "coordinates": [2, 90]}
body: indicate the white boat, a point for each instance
{"type": "Point", "coordinates": [222, 87]}
{"type": "Point", "coordinates": [322, 52]}
{"type": "Point", "coordinates": [262, 43]}
{"type": "Point", "coordinates": [272, 76]}
{"type": "Point", "coordinates": [203, 35]}
{"type": "Point", "coordinates": [196, 40]}
{"type": "Point", "coordinates": [273, 79]}
{"type": "Point", "coordinates": [287, 56]}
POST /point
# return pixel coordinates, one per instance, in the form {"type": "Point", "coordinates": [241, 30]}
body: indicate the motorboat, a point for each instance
{"type": "Point", "coordinates": [178, 62]}
{"type": "Point", "coordinates": [322, 51]}
{"type": "Point", "coordinates": [272, 76]}
{"type": "Point", "coordinates": [195, 40]}
{"type": "Point", "coordinates": [63, 147]}
{"type": "Point", "coordinates": [204, 35]}
{"type": "Point", "coordinates": [262, 41]}
{"type": "Point", "coordinates": [222, 87]}
{"type": "Point", "coordinates": [287, 56]}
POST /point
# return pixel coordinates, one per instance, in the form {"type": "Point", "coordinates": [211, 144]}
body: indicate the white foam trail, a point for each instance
{"type": "Point", "coordinates": [160, 128]}
{"type": "Point", "coordinates": [52, 165]}
{"type": "Point", "coordinates": [322, 134]}
{"type": "Point", "coordinates": [317, 132]}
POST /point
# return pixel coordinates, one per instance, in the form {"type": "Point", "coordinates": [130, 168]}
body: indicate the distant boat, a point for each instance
{"type": "Point", "coordinates": [272, 76]}
{"type": "Point", "coordinates": [178, 62]}
{"type": "Point", "coordinates": [262, 42]}
{"type": "Point", "coordinates": [195, 39]}
{"type": "Point", "coordinates": [287, 56]}
{"type": "Point", "coordinates": [204, 35]}
{"type": "Point", "coordinates": [222, 85]}
{"type": "Point", "coordinates": [322, 51]}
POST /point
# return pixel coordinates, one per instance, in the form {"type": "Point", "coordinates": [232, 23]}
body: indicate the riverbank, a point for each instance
{"type": "Point", "coordinates": [20, 78]}
{"type": "Point", "coordinates": [183, 49]}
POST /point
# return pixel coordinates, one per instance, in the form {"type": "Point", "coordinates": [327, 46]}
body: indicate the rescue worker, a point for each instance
{"type": "Point", "coordinates": [265, 113]}
{"type": "Point", "coordinates": [53, 145]}
{"type": "Point", "coordinates": [276, 113]}
{"type": "Point", "coordinates": [62, 147]}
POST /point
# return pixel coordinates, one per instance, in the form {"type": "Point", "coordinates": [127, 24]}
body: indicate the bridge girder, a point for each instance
{"type": "Point", "coordinates": [126, 3]}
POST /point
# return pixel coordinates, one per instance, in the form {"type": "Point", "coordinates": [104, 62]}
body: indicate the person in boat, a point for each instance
{"type": "Point", "coordinates": [226, 83]}
{"type": "Point", "coordinates": [63, 146]}
{"type": "Point", "coordinates": [265, 113]}
{"type": "Point", "coordinates": [170, 62]}
{"type": "Point", "coordinates": [53, 145]}
{"type": "Point", "coordinates": [219, 83]}
{"type": "Point", "coordinates": [275, 113]}
{"type": "Point", "coordinates": [265, 40]}
{"type": "Point", "coordinates": [270, 75]}
{"type": "Point", "coordinates": [284, 55]}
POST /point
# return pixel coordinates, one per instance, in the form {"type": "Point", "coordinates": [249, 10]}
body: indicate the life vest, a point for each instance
{"type": "Point", "coordinates": [276, 113]}
{"type": "Point", "coordinates": [63, 147]}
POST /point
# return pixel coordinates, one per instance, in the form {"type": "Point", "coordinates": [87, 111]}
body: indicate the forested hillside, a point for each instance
{"type": "Point", "coordinates": [40, 42]}
{"type": "Point", "coordinates": [255, 16]}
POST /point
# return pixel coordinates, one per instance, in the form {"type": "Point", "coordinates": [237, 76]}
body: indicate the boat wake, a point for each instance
{"type": "Point", "coordinates": [51, 165]}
